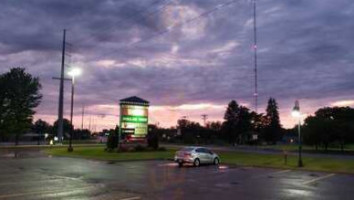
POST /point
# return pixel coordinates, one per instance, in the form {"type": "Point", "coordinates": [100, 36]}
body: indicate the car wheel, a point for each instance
{"type": "Point", "coordinates": [216, 161]}
{"type": "Point", "coordinates": [180, 164]}
{"type": "Point", "coordinates": [196, 162]}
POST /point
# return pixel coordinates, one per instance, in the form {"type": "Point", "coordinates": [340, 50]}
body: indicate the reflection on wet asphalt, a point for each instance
{"type": "Point", "coordinates": [68, 178]}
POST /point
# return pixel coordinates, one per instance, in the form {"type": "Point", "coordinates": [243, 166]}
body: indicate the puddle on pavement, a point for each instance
{"type": "Point", "coordinates": [110, 162]}
{"type": "Point", "coordinates": [313, 175]}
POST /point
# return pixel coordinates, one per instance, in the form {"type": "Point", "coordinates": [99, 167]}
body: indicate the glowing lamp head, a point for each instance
{"type": "Point", "coordinates": [74, 72]}
{"type": "Point", "coordinates": [296, 113]}
{"type": "Point", "coordinates": [296, 110]}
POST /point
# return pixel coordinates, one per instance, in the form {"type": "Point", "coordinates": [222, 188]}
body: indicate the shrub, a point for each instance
{"type": "Point", "coordinates": [153, 140]}
{"type": "Point", "coordinates": [139, 148]}
{"type": "Point", "coordinates": [112, 141]}
{"type": "Point", "coordinates": [161, 149]}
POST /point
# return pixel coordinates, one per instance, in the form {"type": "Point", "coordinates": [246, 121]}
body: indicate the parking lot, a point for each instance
{"type": "Point", "coordinates": [42, 177]}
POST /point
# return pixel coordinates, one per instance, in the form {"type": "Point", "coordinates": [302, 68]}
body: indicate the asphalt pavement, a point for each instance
{"type": "Point", "coordinates": [37, 176]}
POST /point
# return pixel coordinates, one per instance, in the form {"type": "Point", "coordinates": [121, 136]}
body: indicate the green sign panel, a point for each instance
{"type": "Point", "coordinates": [135, 119]}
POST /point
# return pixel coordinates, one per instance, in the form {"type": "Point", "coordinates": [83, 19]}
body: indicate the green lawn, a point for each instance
{"type": "Point", "coordinates": [277, 161]}
{"type": "Point", "coordinates": [100, 154]}
{"type": "Point", "coordinates": [294, 147]}
{"type": "Point", "coordinates": [234, 158]}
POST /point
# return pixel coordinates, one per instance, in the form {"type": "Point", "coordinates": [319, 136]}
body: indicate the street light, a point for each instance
{"type": "Point", "coordinates": [73, 73]}
{"type": "Point", "coordinates": [297, 114]}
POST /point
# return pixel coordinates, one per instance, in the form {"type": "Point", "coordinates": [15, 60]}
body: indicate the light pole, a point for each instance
{"type": "Point", "coordinates": [297, 114]}
{"type": "Point", "coordinates": [73, 72]}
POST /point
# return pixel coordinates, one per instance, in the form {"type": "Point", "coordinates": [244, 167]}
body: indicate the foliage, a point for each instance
{"type": "Point", "coordinates": [67, 127]}
{"type": "Point", "coordinates": [152, 137]}
{"type": "Point", "coordinates": [330, 126]}
{"type": "Point", "coordinates": [112, 140]}
{"type": "Point", "coordinates": [237, 125]}
{"type": "Point", "coordinates": [19, 95]}
{"type": "Point", "coordinates": [81, 134]}
{"type": "Point", "coordinates": [273, 130]}
{"type": "Point", "coordinates": [139, 148]}
{"type": "Point", "coordinates": [191, 132]}
{"type": "Point", "coordinates": [41, 127]}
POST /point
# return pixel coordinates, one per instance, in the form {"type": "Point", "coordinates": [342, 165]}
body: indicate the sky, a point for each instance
{"type": "Point", "coordinates": [186, 57]}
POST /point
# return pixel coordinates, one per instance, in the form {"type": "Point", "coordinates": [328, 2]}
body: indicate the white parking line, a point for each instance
{"type": "Point", "coordinates": [280, 172]}
{"type": "Point", "coordinates": [319, 178]}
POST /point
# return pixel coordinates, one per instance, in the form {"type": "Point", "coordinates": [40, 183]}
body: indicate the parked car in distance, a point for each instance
{"type": "Point", "coordinates": [196, 156]}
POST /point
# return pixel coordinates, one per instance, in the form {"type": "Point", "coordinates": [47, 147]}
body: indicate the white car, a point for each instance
{"type": "Point", "coordinates": [196, 156]}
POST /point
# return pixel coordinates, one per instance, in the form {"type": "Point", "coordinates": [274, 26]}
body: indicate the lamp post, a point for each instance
{"type": "Point", "coordinates": [73, 72]}
{"type": "Point", "coordinates": [296, 113]}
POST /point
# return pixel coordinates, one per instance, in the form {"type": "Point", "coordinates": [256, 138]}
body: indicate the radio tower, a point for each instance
{"type": "Point", "coordinates": [255, 57]}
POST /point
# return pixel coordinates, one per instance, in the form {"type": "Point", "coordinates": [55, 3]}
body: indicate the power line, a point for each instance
{"type": "Point", "coordinates": [169, 28]}
{"type": "Point", "coordinates": [141, 12]}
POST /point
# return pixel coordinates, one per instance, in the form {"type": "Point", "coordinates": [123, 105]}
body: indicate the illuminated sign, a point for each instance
{"type": "Point", "coordinates": [134, 117]}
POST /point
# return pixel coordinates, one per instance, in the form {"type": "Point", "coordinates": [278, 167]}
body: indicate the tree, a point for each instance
{"type": "Point", "coordinates": [152, 137]}
{"type": "Point", "coordinates": [237, 124]}
{"type": "Point", "coordinates": [312, 129]}
{"type": "Point", "coordinates": [214, 126]}
{"type": "Point", "coordinates": [273, 130]}
{"type": "Point", "coordinates": [329, 126]}
{"type": "Point", "coordinates": [67, 127]}
{"type": "Point", "coordinates": [81, 134]}
{"type": "Point", "coordinates": [19, 95]}
{"type": "Point", "coordinates": [112, 140]}
{"type": "Point", "coordinates": [230, 123]}
{"type": "Point", "coordinates": [41, 127]}
{"type": "Point", "coordinates": [258, 122]}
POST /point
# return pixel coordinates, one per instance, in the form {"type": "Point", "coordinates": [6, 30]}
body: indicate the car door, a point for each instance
{"type": "Point", "coordinates": [202, 155]}
{"type": "Point", "coordinates": [209, 156]}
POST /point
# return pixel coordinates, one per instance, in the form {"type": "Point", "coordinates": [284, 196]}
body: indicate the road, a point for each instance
{"type": "Point", "coordinates": [36, 176]}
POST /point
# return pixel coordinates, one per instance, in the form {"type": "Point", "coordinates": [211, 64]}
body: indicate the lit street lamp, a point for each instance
{"type": "Point", "coordinates": [297, 114]}
{"type": "Point", "coordinates": [73, 72]}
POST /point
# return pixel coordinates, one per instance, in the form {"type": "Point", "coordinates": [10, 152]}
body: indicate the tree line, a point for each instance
{"type": "Point", "coordinates": [240, 126]}
{"type": "Point", "coordinates": [328, 127]}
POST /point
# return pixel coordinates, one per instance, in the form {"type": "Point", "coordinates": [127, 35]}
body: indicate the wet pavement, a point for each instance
{"type": "Point", "coordinates": [40, 177]}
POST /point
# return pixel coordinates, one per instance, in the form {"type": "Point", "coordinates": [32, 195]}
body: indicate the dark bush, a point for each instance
{"type": "Point", "coordinates": [123, 148]}
{"type": "Point", "coordinates": [112, 141]}
{"type": "Point", "coordinates": [161, 149]}
{"type": "Point", "coordinates": [153, 140]}
{"type": "Point", "coordinates": [139, 148]}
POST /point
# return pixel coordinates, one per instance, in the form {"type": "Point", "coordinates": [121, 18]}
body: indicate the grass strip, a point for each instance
{"type": "Point", "coordinates": [232, 158]}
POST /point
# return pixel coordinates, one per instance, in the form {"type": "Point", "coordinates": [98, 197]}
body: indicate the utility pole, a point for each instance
{"type": "Point", "coordinates": [204, 117]}
{"type": "Point", "coordinates": [61, 93]}
{"type": "Point", "coordinates": [82, 117]}
{"type": "Point", "coordinates": [255, 57]}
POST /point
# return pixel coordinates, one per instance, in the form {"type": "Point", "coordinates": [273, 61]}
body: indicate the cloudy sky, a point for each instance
{"type": "Point", "coordinates": [187, 57]}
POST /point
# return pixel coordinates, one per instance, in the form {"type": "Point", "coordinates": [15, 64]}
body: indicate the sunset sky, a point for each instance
{"type": "Point", "coordinates": [187, 57]}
